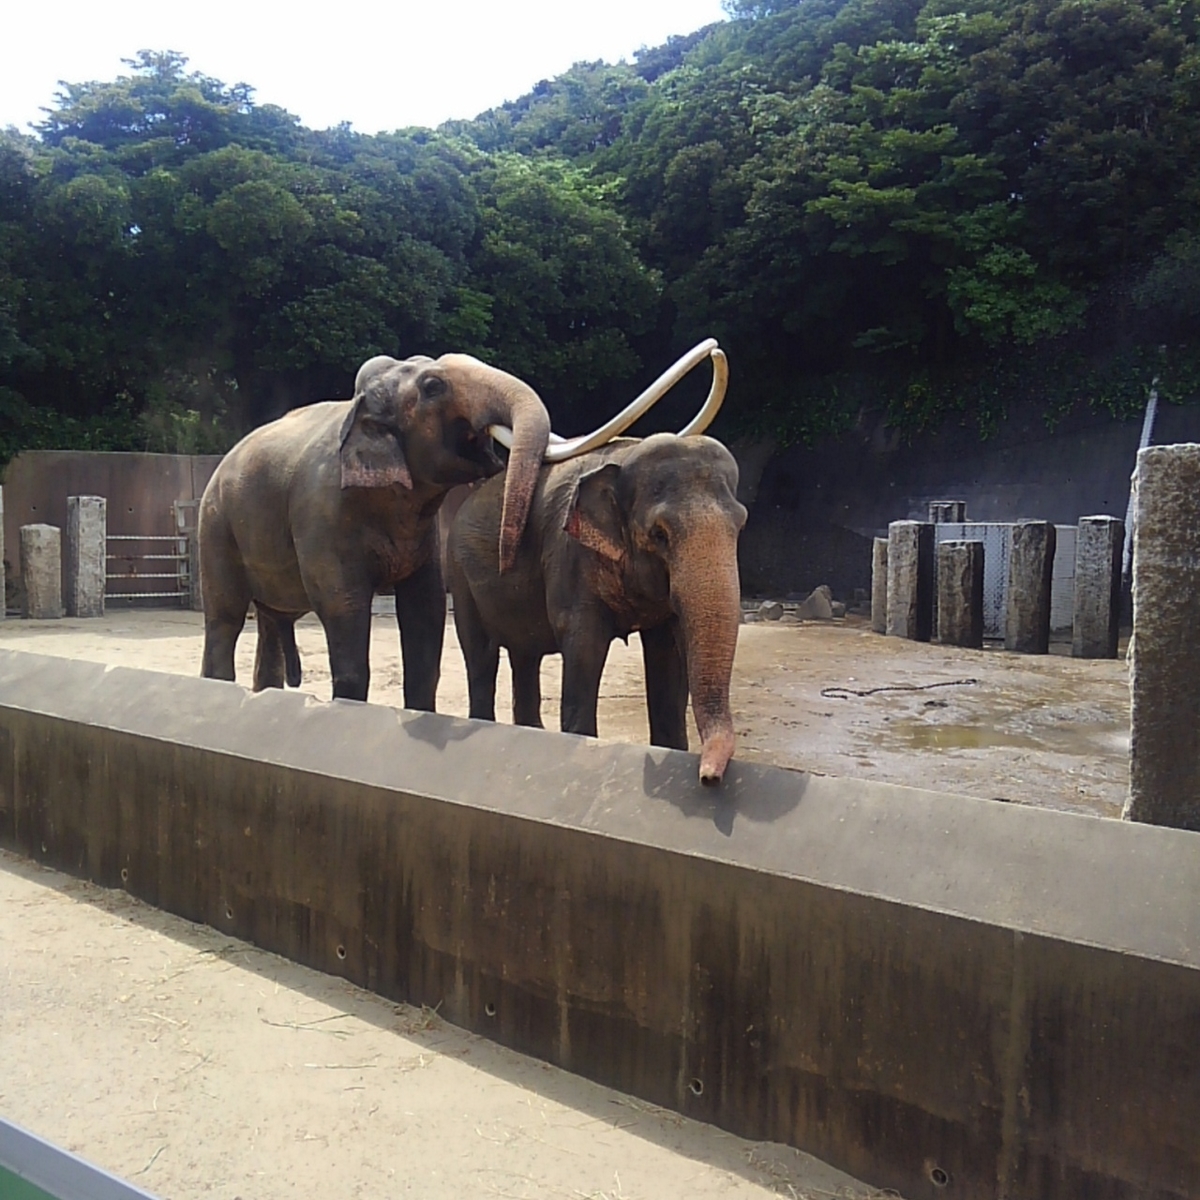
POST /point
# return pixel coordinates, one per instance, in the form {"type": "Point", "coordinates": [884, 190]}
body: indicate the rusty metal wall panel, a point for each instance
{"type": "Point", "coordinates": [139, 488]}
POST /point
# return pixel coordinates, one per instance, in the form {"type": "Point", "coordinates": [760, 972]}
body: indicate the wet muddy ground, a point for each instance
{"type": "Point", "coordinates": [830, 697]}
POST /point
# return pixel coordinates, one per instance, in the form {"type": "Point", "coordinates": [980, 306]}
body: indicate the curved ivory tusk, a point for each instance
{"type": "Point", "coordinates": [560, 449]}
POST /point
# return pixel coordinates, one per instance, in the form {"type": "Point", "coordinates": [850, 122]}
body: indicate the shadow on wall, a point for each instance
{"type": "Point", "coordinates": [816, 508]}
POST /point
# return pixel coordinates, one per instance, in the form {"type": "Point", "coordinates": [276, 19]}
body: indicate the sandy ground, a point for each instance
{"type": "Point", "coordinates": [197, 1066]}
{"type": "Point", "coordinates": [1049, 730]}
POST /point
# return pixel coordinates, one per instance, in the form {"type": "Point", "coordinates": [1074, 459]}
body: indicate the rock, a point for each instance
{"type": "Point", "coordinates": [770, 610]}
{"type": "Point", "coordinates": [818, 605]}
{"type": "Point", "coordinates": [838, 608]}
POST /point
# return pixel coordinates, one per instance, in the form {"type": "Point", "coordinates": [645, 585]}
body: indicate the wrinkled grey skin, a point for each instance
{"type": "Point", "coordinates": [639, 535]}
{"type": "Point", "coordinates": [319, 510]}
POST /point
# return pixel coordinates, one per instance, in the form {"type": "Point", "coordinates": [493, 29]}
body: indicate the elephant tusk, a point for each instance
{"type": "Point", "coordinates": [560, 449]}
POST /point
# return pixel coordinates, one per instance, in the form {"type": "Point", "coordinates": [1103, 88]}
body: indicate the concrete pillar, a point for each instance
{"type": "Point", "coordinates": [3, 569]}
{"type": "Point", "coordinates": [947, 512]}
{"type": "Point", "coordinates": [910, 580]}
{"type": "Point", "coordinates": [879, 561]}
{"type": "Point", "coordinates": [1030, 567]}
{"type": "Point", "coordinates": [1096, 617]}
{"type": "Point", "coordinates": [87, 551]}
{"type": "Point", "coordinates": [41, 571]}
{"type": "Point", "coordinates": [1164, 675]}
{"type": "Point", "coordinates": [960, 594]}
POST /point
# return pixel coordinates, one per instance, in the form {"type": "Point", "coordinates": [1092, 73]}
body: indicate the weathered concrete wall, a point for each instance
{"type": "Point", "coordinates": [1164, 675]}
{"type": "Point", "coordinates": [139, 488]}
{"type": "Point", "coordinates": [945, 996]}
{"type": "Point", "coordinates": [817, 507]}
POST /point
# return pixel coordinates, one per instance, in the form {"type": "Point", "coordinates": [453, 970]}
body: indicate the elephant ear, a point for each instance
{"type": "Point", "coordinates": [370, 451]}
{"type": "Point", "coordinates": [594, 517]}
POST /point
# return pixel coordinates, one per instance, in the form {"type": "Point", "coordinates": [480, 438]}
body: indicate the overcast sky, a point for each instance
{"type": "Point", "coordinates": [377, 65]}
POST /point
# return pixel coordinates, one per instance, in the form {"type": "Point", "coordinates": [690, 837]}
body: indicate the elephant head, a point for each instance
{"type": "Point", "coordinates": [668, 515]}
{"type": "Point", "coordinates": [426, 420]}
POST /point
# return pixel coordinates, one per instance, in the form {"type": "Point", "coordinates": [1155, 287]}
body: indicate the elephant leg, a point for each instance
{"type": "Point", "coordinates": [666, 686]}
{"type": "Point", "coordinates": [348, 635]}
{"type": "Point", "coordinates": [584, 650]}
{"type": "Point", "coordinates": [527, 689]}
{"type": "Point", "coordinates": [291, 656]}
{"type": "Point", "coordinates": [221, 633]}
{"type": "Point", "coordinates": [226, 596]}
{"type": "Point", "coordinates": [481, 653]}
{"type": "Point", "coordinates": [269, 664]}
{"type": "Point", "coordinates": [421, 613]}
{"type": "Point", "coordinates": [276, 658]}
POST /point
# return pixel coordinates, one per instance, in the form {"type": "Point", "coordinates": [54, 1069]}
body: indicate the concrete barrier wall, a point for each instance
{"type": "Point", "coordinates": [945, 996]}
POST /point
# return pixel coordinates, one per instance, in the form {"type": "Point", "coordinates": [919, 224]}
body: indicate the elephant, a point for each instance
{"type": "Point", "coordinates": [638, 535]}
{"type": "Point", "coordinates": [319, 510]}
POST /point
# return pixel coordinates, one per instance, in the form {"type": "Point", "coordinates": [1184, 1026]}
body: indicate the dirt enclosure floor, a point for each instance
{"type": "Point", "coordinates": [1046, 730]}
{"type": "Point", "coordinates": [199, 1066]}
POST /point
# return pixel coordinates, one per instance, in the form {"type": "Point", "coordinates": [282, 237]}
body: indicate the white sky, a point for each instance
{"type": "Point", "coordinates": [380, 66]}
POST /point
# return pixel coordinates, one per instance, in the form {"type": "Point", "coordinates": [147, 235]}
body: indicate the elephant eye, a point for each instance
{"type": "Point", "coordinates": [659, 536]}
{"type": "Point", "coordinates": [433, 386]}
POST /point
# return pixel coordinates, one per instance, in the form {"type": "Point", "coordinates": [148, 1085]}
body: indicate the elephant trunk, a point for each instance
{"type": "Point", "coordinates": [507, 400]}
{"type": "Point", "coordinates": [706, 595]}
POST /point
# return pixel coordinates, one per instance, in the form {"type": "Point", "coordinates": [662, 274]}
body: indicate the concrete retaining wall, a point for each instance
{"type": "Point", "coordinates": [945, 996]}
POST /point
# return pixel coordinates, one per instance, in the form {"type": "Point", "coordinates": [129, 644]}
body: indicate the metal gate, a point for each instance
{"type": "Point", "coordinates": [155, 567]}
{"type": "Point", "coordinates": [144, 567]}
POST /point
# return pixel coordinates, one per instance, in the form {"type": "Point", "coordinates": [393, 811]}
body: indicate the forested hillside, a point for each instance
{"type": "Point", "coordinates": [913, 208]}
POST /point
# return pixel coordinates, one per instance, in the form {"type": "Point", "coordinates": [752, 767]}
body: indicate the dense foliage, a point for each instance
{"type": "Point", "coordinates": [875, 204]}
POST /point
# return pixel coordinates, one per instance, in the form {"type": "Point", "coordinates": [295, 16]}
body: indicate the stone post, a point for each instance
{"type": "Point", "coordinates": [910, 580]}
{"type": "Point", "coordinates": [1164, 675]}
{"type": "Point", "coordinates": [41, 571]}
{"type": "Point", "coordinates": [947, 512]}
{"type": "Point", "coordinates": [87, 552]}
{"type": "Point", "coordinates": [1096, 618]}
{"type": "Point", "coordinates": [879, 569]}
{"type": "Point", "coordinates": [3, 571]}
{"type": "Point", "coordinates": [960, 594]}
{"type": "Point", "coordinates": [1030, 567]}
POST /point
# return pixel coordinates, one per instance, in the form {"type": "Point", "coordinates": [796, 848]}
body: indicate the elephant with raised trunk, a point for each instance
{"type": "Point", "coordinates": [639, 535]}
{"type": "Point", "coordinates": [319, 510]}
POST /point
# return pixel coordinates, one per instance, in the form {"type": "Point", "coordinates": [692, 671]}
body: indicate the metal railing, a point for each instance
{"type": "Point", "coordinates": [148, 564]}
{"type": "Point", "coordinates": [169, 559]}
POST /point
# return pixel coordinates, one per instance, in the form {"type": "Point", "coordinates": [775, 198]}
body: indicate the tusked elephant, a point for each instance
{"type": "Point", "coordinates": [319, 510]}
{"type": "Point", "coordinates": [639, 535]}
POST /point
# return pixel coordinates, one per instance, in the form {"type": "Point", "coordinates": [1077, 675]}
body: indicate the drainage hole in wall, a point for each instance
{"type": "Point", "coordinates": [938, 1177]}
{"type": "Point", "coordinates": [341, 952]}
{"type": "Point", "coordinates": [696, 1087]}
{"type": "Point", "coordinates": [229, 914]}
{"type": "Point", "coordinates": [124, 874]}
{"type": "Point", "coordinates": [489, 1009]}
